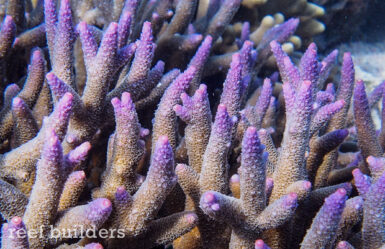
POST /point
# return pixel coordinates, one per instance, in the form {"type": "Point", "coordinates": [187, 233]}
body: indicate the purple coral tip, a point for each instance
{"type": "Point", "coordinates": [215, 207]}
{"type": "Point", "coordinates": [94, 246]}
{"type": "Point", "coordinates": [146, 28]}
{"type": "Point", "coordinates": [347, 55]}
{"type": "Point", "coordinates": [103, 205]}
{"type": "Point", "coordinates": [222, 108]}
{"type": "Point", "coordinates": [106, 203]}
{"type": "Point", "coordinates": [269, 181]}
{"type": "Point", "coordinates": [50, 77]}
{"type": "Point", "coordinates": [248, 43]}
{"type": "Point", "coordinates": [8, 19]}
{"type": "Point", "coordinates": [254, 56]}
{"type": "Point", "coordinates": [235, 178]}
{"type": "Point", "coordinates": [140, 179]}
{"type": "Point", "coordinates": [195, 38]}
{"type": "Point", "coordinates": [356, 172]}
{"type": "Point", "coordinates": [269, 184]}
{"type": "Point", "coordinates": [342, 245]}
{"type": "Point", "coordinates": [208, 39]}
{"type": "Point", "coordinates": [341, 191]}
{"type": "Point", "coordinates": [80, 152]}
{"type": "Point", "coordinates": [360, 86]}
{"type": "Point", "coordinates": [79, 175]}
{"type": "Point", "coordinates": [358, 203]}
{"type": "Point", "coordinates": [144, 132]}
{"type": "Point", "coordinates": [120, 190]}
{"type": "Point", "coordinates": [209, 197]}
{"type": "Point", "coordinates": [178, 109]}
{"type": "Point", "coordinates": [36, 55]}
{"type": "Point", "coordinates": [16, 42]}
{"type": "Point", "coordinates": [191, 218]}
{"type": "Point", "coordinates": [163, 155]}
{"type": "Point", "coordinates": [17, 103]}
{"type": "Point", "coordinates": [236, 59]}
{"type": "Point", "coordinates": [82, 27]}
{"type": "Point", "coordinates": [374, 163]}
{"type": "Point", "coordinates": [180, 167]}
{"type": "Point", "coordinates": [113, 26]}
{"type": "Point", "coordinates": [202, 89]}
{"type": "Point", "coordinates": [155, 16]}
{"type": "Point", "coordinates": [121, 193]}
{"type": "Point", "coordinates": [343, 132]}
{"type": "Point", "coordinates": [274, 44]}
{"type": "Point", "coordinates": [126, 98]}
{"type": "Point", "coordinates": [370, 159]}
{"type": "Point", "coordinates": [125, 15]}
{"type": "Point", "coordinates": [12, 88]}
{"type": "Point", "coordinates": [312, 47]}
{"type": "Point", "coordinates": [330, 88]}
{"type": "Point", "coordinates": [211, 201]}
{"type": "Point", "coordinates": [287, 62]}
{"type": "Point", "coordinates": [115, 102]}
{"type": "Point", "coordinates": [291, 200]}
{"type": "Point", "coordinates": [52, 139]}
{"type": "Point", "coordinates": [163, 140]}
{"type": "Point", "coordinates": [293, 21]}
{"type": "Point", "coordinates": [65, 3]}
{"type": "Point", "coordinates": [306, 83]}
{"type": "Point", "coordinates": [184, 97]}
{"type": "Point", "coordinates": [84, 148]}
{"type": "Point", "coordinates": [160, 65]}
{"type": "Point", "coordinates": [340, 103]}
{"type": "Point", "coordinates": [68, 97]}
{"type": "Point", "coordinates": [16, 221]}
{"type": "Point", "coordinates": [259, 244]}
{"type": "Point", "coordinates": [307, 185]}
{"type": "Point", "coordinates": [234, 119]}
{"type": "Point", "coordinates": [71, 138]}
{"type": "Point", "coordinates": [348, 187]}
{"type": "Point", "coordinates": [251, 130]}
{"type": "Point", "coordinates": [262, 131]}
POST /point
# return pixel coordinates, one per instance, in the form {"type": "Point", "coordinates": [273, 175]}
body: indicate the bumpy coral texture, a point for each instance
{"type": "Point", "coordinates": [159, 123]}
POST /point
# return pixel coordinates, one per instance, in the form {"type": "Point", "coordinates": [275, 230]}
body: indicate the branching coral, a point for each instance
{"type": "Point", "coordinates": [237, 162]}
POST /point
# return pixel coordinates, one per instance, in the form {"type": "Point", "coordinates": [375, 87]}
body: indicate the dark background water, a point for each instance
{"type": "Point", "coordinates": [350, 21]}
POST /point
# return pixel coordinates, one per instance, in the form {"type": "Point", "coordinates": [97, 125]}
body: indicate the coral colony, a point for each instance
{"type": "Point", "coordinates": [110, 139]}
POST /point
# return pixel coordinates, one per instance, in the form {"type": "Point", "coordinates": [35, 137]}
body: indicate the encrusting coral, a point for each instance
{"type": "Point", "coordinates": [239, 161]}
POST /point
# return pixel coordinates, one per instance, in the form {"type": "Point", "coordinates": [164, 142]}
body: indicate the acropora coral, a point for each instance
{"type": "Point", "coordinates": [165, 123]}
